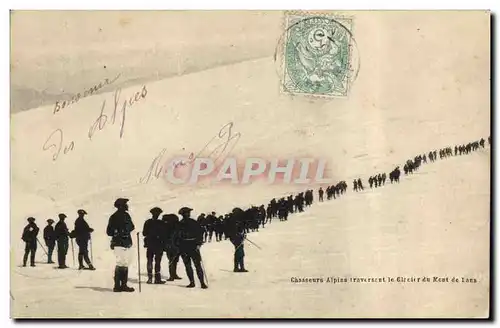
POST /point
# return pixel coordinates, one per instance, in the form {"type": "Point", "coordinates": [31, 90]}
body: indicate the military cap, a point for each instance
{"type": "Point", "coordinates": [155, 210]}
{"type": "Point", "coordinates": [50, 221]}
{"type": "Point", "coordinates": [31, 219]}
{"type": "Point", "coordinates": [120, 202]}
{"type": "Point", "coordinates": [81, 212]}
{"type": "Point", "coordinates": [62, 216]}
{"type": "Point", "coordinates": [185, 210]}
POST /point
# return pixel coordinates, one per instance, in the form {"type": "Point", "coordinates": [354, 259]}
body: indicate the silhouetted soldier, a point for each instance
{"type": "Point", "coordinates": [219, 228]}
{"type": "Point", "coordinates": [154, 236]}
{"type": "Point", "coordinates": [320, 193]}
{"type": "Point", "coordinates": [50, 239]}
{"type": "Point", "coordinates": [210, 219]}
{"type": "Point", "coordinates": [202, 220]}
{"type": "Point", "coordinates": [424, 158]}
{"type": "Point", "coordinates": [481, 142]}
{"type": "Point", "coordinates": [360, 184]}
{"type": "Point", "coordinates": [283, 211]}
{"type": "Point", "coordinates": [62, 238]}
{"type": "Point", "coordinates": [119, 228]}
{"type": "Point", "coordinates": [269, 213]}
{"type": "Point", "coordinates": [30, 233]}
{"type": "Point", "coordinates": [355, 183]}
{"type": "Point", "coordinates": [370, 181]}
{"type": "Point", "coordinates": [82, 235]}
{"type": "Point", "coordinates": [172, 250]}
{"type": "Point", "coordinates": [190, 239]}
{"type": "Point", "coordinates": [239, 253]}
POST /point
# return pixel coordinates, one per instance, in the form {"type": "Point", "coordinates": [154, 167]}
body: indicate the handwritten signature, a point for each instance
{"type": "Point", "coordinates": [86, 93]}
{"type": "Point", "coordinates": [102, 119]}
{"type": "Point", "coordinates": [221, 140]}
{"type": "Point", "coordinates": [55, 140]}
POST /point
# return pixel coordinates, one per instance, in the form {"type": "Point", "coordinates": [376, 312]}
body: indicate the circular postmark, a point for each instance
{"type": "Point", "coordinates": [317, 55]}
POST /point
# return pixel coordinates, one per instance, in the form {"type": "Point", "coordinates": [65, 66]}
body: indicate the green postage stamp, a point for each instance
{"type": "Point", "coordinates": [318, 55]}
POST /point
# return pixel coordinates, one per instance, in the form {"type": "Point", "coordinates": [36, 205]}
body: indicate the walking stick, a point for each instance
{"type": "Point", "coordinates": [138, 262]}
{"type": "Point", "coordinates": [203, 267]}
{"type": "Point", "coordinates": [251, 242]}
{"type": "Point", "coordinates": [91, 252]}
{"type": "Point", "coordinates": [42, 246]}
{"type": "Point", "coordinates": [73, 251]}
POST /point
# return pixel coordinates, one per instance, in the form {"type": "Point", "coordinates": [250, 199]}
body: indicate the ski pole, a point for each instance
{"type": "Point", "coordinates": [73, 251]}
{"type": "Point", "coordinates": [251, 242]}
{"type": "Point", "coordinates": [138, 262]}
{"type": "Point", "coordinates": [42, 246]}
{"type": "Point", "coordinates": [203, 267]}
{"type": "Point", "coordinates": [91, 252]}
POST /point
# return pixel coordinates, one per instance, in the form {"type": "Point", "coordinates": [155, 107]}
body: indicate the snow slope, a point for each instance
{"type": "Point", "coordinates": [434, 223]}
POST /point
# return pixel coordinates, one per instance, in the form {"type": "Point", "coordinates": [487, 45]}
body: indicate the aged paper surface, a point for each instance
{"type": "Point", "coordinates": [104, 103]}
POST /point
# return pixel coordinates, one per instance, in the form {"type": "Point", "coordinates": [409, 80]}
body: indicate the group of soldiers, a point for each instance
{"type": "Point", "coordinates": [58, 236]}
{"type": "Point", "coordinates": [377, 180]}
{"type": "Point", "coordinates": [183, 238]}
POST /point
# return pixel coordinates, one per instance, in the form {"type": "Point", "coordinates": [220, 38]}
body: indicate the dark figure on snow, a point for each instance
{"type": "Point", "coordinates": [481, 142]}
{"type": "Point", "coordinates": [50, 239]}
{"type": "Point", "coordinates": [62, 238]}
{"type": "Point", "coordinates": [320, 193]}
{"type": "Point", "coordinates": [154, 236]}
{"type": "Point", "coordinates": [219, 228]}
{"type": "Point", "coordinates": [394, 175]}
{"type": "Point", "coordinates": [355, 183]}
{"type": "Point", "coordinates": [360, 184]}
{"type": "Point", "coordinates": [370, 181]}
{"type": "Point", "coordinates": [29, 236]}
{"type": "Point", "coordinates": [190, 239]}
{"type": "Point", "coordinates": [239, 253]}
{"type": "Point", "coordinates": [202, 220]}
{"type": "Point", "coordinates": [119, 228]}
{"type": "Point", "coordinates": [172, 250]}
{"type": "Point", "coordinates": [210, 219]}
{"type": "Point", "coordinates": [82, 235]}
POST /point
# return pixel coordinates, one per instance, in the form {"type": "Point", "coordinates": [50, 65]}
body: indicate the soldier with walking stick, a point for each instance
{"type": "Point", "coordinates": [189, 240]}
{"type": "Point", "coordinates": [61, 234]}
{"type": "Point", "coordinates": [29, 237]}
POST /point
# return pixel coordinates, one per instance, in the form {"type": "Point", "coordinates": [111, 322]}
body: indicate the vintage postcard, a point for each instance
{"type": "Point", "coordinates": [250, 164]}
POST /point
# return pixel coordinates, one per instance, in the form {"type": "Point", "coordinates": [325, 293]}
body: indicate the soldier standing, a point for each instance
{"type": "Point", "coordinates": [190, 239]}
{"type": "Point", "coordinates": [172, 250]}
{"type": "Point", "coordinates": [82, 235]}
{"type": "Point", "coordinates": [320, 193]}
{"type": "Point", "coordinates": [29, 236]}
{"type": "Point", "coordinates": [120, 226]}
{"type": "Point", "coordinates": [62, 238]}
{"type": "Point", "coordinates": [360, 184]}
{"type": "Point", "coordinates": [154, 234]}
{"type": "Point", "coordinates": [50, 240]}
{"type": "Point", "coordinates": [210, 220]}
{"type": "Point", "coordinates": [239, 253]}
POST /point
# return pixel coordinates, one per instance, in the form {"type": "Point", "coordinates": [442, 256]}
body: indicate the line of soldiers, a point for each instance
{"type": "Point", "coordinates": [58, 235]}
{"type": "Point", "coordinates": [183, 238]}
